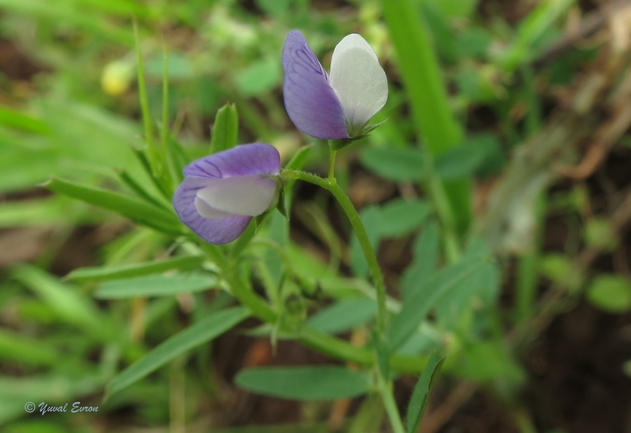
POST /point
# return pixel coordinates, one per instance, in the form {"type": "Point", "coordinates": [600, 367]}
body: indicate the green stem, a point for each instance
{"type": "Point", "coordinates": [332, 186]}
{"type": "Point", "coordinates": [144, 106]}
{"type": "Point", "coordinates": [247, 297]}
{"type": "Point", "coordinates": [165, 105]}
{"type": "Point", "coordinates": [332, 153]}
{"type": "Point", "coordinates": [385, 389]}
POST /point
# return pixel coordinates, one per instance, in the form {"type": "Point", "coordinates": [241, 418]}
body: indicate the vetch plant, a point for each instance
{"type": "Point", "coordinates": [223, 191]}
{"type": "Point", "coordinates": [218, 198]}
{"type": "Point", "coordinates": [336, 106]}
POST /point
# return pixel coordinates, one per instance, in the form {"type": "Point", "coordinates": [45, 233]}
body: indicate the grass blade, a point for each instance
{"type": "Point", "coordinates": [199, 333]}
{"type": "Point", "coordinates": [421, 392]}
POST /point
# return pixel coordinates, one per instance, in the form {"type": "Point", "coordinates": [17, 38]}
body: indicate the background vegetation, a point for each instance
{"type": "Point", "coordinates": [506, 134]}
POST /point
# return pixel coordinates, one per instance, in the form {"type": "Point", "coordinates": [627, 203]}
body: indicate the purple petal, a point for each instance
{"type": "Point", "coordinates": [215, 231]}
{"type": "Point", "coordinates": [310, 100]}
{"type": "Point", "coordinates": [244, 160]}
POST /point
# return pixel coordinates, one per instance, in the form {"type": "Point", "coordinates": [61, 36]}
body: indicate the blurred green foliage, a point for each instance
{"type": "Point", "coordinates": [145, 308]}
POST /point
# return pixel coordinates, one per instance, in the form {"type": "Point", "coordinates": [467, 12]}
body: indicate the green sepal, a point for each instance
{"type": "Point", "coordinates": [281, 205]}
{"type": "Point", "coordinates": [278, 202]}
{"type": "Point", "coordinates": [258, 220]}
{"type": "Point", "coordinates": [225, 129]}
{"type": "Point", "coordinates": [367, 129]}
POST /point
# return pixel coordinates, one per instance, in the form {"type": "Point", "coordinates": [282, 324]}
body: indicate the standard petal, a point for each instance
{"type": "Point", "coordinates": [310, 100]}
{"type": "Point", "coordinates": [359, 81]}
{"type": "Point", "coordinates": [215, 231]}
{"type": "Point", "coordinates": [243, 195]}
{"type": "Point", "coordinates": [244, 160]}
{"type": "Point", "coordinates": [353, 40]}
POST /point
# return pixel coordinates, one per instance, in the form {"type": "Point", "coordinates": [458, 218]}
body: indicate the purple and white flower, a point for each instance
{"type": "Point", "coordinates": [222, 192]}
{"type": "Point", "coordinates": [335, 106]}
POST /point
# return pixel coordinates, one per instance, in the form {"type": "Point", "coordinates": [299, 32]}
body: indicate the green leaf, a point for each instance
{"type": "Point", "coordinates": [102, 273]}
{"type": "Point", "coordinates": [369, 416]}
{"type": "Point", "coordinates": [177, 159]}
{"type": "Point", "coordinates": [426, 250]}
{"type": "Point", "coordinates": [399, 217]}
{"type": "Point", "coordinates": [21, 121]}
{"type": "Point", "coordinates": [132, 208]}
{"type": "Point", "coordinates": [54, 210]}
{"type": "Point", "coordinates": [420, 396]}
{"type": "Point", "coordinates": [20, 348]}
{"type": "Point", "coordinates": [199, 333]}
{"type": "Point", "coordinates": [260, 77]}
{"type": "Point", "coordinates": [416, 308]}
{"type": "Point", "coordinates": [420, 71]}
{"type": "Point", "coordinates": [539, 21]}
{"type": "Point", "coordinates": [66, 301]}
{"type": "Point", "coordinates": [299, 159]}
{"type": "Point", "coordinates": [458, 162]}
{"type": "Point", "coordinates": [561, 270]}
{"type": "Point", "coordinates": [482, 285]}
{"type": "Point", "coordinates": [279, 233]}
{"type": "Point", "coordinates": [344, 315]}
{"type": "Point", "coordinates": [601, 234]}
{"type": "Point", "coordinates": [275, 8]}
{"type": "Point", "coordinates": [473, 42]}
{"type": "Point", "coordinates": [155, 285]}
{"type": "Point", "coordinates": [399, 165]}
{"type": "Point", "coordinates": [54, 389]}
{"type": "Point", "coordinates": [225, 129]}
{"type": "Point", "coordinates": [454, 8]}
{"type": "Point", "coordinates": [304, 383]}
{"type": "Point", "coordinates": [140, 190]}
{"type": "Point", "coordinates": [489, 361]}
{"type": "Point", "coordinates": [443, 36]}
{"type": "Point", "coordinates": [295, 163]}
{"type": "Point", "coordinates": [610, 293]}
{"type": "Point", "coordinates": [370, 218]}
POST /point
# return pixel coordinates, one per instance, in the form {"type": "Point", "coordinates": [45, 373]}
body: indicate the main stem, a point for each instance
{"type": "Point", "coordinates": [331, 185]}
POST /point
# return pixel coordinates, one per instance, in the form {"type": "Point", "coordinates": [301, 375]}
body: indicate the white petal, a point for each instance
{"type": "Point", "coordinates": [351, 41]}
{"type": "Point", "coordinates": [208, 212]}
{"type": "Point", "coordinates": [239, 195]}
{"type": "Point", "coordinates": [359, 81]}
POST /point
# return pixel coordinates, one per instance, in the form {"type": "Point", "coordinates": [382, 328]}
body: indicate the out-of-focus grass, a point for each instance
{"type": "Point", "coordinates": [78, 117]}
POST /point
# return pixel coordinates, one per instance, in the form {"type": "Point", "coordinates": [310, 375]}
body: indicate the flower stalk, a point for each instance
{"type": "Point", "coordinates": [356, 222]}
